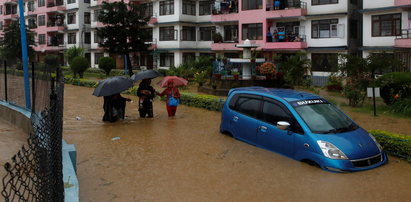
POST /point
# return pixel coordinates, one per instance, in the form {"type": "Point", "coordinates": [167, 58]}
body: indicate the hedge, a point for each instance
{"type": "Point", "coordinates": [395, 144]}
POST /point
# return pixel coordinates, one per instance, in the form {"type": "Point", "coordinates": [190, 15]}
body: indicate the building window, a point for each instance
{"type": "Point", "coordinates": [41, 3]}
{"type": "Point", "coordinates": [87, 37]}
{"type": "Point", "coordinates": [71, 1]}
{"type": "Point", "coordinates": [322, 2]}
{"type": "Point", "coordinates": [324, 28]}
{"type": "Point", "coordinates": [96, 14]}
{"type": "Point", "coordinates": [1, 9]}
{"type": "Point", "coordinates": [32, 23]}
{"type": "Point", "coordinates": [97, 57]}
{"type": "Point", "coordinates": [252, 4]}
{"type": "Point", "coordinates": [30, 6]}
{"type": "Point", "coordinates": [168, 33]}
{"type": "Point", "coordinates": [149, 32]}
{"type": "Point", "coordinates": [71, 18]}
{"type": "Point", "coordinates": [42, 20]}
{"type": "Point", "coordinates": [324, 62]}
{"type": "Point", "coordinates": [253, 31]}
{"type": "Point", "coordinates": [386, 25]}
{"type": "Point", "coordinates": [86, 1]}
{"type": "Point", "coordinates": [205, 7]}
{"type": "Point", "coordinates": [206, 33]}
{"type": "Point", "coordinates": [231, 33]}
{"type": "Point", "coordinates": [97, 39]}
{"type": "Point", "coordinates": [42, 39]}
{"type": "Point", "coordinates": [188, 33]}
{"type": "Point", "coordinates": [189, 7]}
{"type": "Point", "coordinates": [148, 9]}
{"type": "Point", "coordinates": [11, 9]}
{"type": "Point", "coordinates": [87, 17]}
{"type": "Point", "coordinates": [167, 59]}
{"type": "Point", "coordinates": [71, 38]}
{"type": "Point", "coordinates": [167, 7]}
{"type": "Point", "coordinates": [1, 25]}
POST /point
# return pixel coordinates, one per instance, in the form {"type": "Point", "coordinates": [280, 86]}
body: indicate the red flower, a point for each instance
{"type": "Point", "coordinates": [267, 68]}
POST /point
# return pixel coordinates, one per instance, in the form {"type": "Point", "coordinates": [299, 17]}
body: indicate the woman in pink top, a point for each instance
{"type": "Point", "coordinates": [170, 91]}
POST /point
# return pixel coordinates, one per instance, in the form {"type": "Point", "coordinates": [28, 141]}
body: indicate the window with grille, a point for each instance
{"type": "Point", "coordinates": [42, 20]}
{"type": "Point", "coordinates": [386, 25]}
{"type": "Point", "coordinates": [206, 33]}
{"type": "Point", "coordinates": [166, 59]}
{"type": "Point", "coordinates": [87, 17]}
{"type": "Point", "coordinates": [205, 7]}
{"type": "Point", "coordinates": [326, 29]}
{"type": "Point", "coordinates": [253, 31]}
{"type": "Point", "coordinates": [71, 18]}
{"type": "Point", "coordinates": [323, 2]}
{"type": "Point", "coordinates": [42, 38]}
{"type": "Point", "coordinates": [168, 33]}
{"type": "Point", "coordinates": [188, 33]}
{"type": "Point", "coordinates": [167, 7]}
{"type": "Point", "coordinates": [189, 7]}
{"type": "Point", "coordinates": [71, 38]}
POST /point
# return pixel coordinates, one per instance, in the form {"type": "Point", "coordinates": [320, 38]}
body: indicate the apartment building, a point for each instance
{"type": "Point", "coordinates": [57, 24]}
{"type": "Point", "coordinates": [386, 27]}
{"type": "Point", "coordinates": [323, 28]}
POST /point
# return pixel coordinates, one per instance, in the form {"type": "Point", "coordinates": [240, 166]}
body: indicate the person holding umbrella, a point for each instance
{"type": "Point", "coordinates": [172, 93]}
{"type": "Point", "coordinates": [146, 93]}
{"type": "Point", "coordinates": [114, 107]}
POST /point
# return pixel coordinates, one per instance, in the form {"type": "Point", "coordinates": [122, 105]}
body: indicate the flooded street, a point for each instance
{"type": "Point", "coordinates": [11, 140]}
{"type": "Point", "coordinates": [186, 159]}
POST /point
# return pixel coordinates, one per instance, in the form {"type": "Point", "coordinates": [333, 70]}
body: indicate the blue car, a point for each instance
{"type": "Point", "coordinates": [301, 126]}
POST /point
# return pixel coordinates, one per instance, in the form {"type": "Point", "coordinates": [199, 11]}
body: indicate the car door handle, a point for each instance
{"type": "Point", "coordinates": [262, 129]}
{"type": "Point", "coordinates": [235, 118]}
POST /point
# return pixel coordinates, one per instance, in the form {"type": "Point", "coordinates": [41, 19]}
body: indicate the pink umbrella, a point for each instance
{"type": "Point", "coordinates": [178, 81]}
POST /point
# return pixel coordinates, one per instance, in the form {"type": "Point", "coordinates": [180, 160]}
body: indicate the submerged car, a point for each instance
{"type": "Point", "coordinates": [302, 126]}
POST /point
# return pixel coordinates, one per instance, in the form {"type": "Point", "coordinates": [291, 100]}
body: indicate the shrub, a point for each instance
{"type": "Point", "coordinates": [79, 65]}
{"type": "Point", "coordinates": [51, 61]}
{"type": "Point", "coordinates": [209, 102]}
{"type": "Point", "coordinates": [267, 68]}
{"type": "Point", "coordinates": [107, 64]}
{"type": "Point", "coordinates": [80, 82]}
{"type": "Point", "coordinates": [395, 144]}
{"type": "Point", "coordinates": [73, 52]}
{"type": "Point", "coordinates": [402, 106]}
{"type": "Point", "coordinates": [334, 84]}
{"type": "Point", "coordinates": [395, 84]}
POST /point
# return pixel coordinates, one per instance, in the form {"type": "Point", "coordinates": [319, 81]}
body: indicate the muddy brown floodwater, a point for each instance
{"type": "Point", "coordinates": [186, 159]}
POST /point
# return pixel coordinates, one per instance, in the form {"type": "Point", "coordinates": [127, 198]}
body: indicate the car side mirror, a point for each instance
{"type": "Point", "coordinates": [283, 125]}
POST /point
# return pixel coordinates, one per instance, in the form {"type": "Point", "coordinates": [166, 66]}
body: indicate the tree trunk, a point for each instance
{"type": "Point", "coordinates": [128, 62]}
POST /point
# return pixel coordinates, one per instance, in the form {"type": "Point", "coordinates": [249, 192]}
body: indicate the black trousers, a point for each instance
{"type": "Point", "coordinates": [146, 109]}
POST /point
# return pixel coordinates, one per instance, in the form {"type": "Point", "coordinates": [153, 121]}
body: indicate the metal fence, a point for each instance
{"type": "Point", "coordinates": [35, 172]}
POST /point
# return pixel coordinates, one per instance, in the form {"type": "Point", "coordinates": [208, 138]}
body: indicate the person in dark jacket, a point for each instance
{"type": "Point", "coordinates": [146, 93]}
{"type": "Point", "coordinates": [114, 107]}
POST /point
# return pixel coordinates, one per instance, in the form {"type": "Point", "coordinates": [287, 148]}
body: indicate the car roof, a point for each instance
{"type": "Point", "coordinates": [289, 95]}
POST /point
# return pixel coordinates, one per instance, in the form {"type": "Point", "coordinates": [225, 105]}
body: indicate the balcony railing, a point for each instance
{"type": "Point", "coordinates": [55, 23]}
{"type": "Point", "coordinates": [405, 34]}
{"type": "Point", "coordinates": [290, 4]}
{"type": "Point", "coordinates": [287, 38]}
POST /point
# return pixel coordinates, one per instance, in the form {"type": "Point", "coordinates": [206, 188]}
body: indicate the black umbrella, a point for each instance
{"type": "Point", "coordinates": [147, 74]}
{"type": "Point", "coordinates": [113, 85]}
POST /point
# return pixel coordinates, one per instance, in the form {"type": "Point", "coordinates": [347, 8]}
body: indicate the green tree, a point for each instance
{"type": "Point", "coordinates": [73, 52]}
{"type": "Point", "coordinates": [11, 42]}
{"type": "Point", "coordinates": [79, 65]}
{"type": "Point", "coordinates": [294, 69]}
{"type": "Point", "coordinates": [106, 64]}
{"type": "Point", "coordinates": [123, 31]}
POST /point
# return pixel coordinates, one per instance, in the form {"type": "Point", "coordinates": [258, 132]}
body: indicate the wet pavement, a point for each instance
{"type": "Point", "coordinates": [186, 159]}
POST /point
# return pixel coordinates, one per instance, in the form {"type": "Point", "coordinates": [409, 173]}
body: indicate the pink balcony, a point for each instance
{"type": "Point", "coordinates": [11, 16]}
{"type": "Point", "coordinates": [225, 17]}
{"type": "Point", "coordinates": [55, 29]}
{"type": "Point", "coordinates": [45, 47]}
{"type": "Point", "coordinates": [285, 45]}
{"type": "Point", "coordinates": [402, 2]}
{"type": "Point", "coordinates": [292, 12]}
{"type": "Point", "coordinates": [152, 20]}
{"type": "Point", "coordinates": [99, 24]}
{"type": "Point", "coordinates": [224, 47]}
{"type": "Point", "coordinates": [56, 9]}
{"type": "Point", "coordinates": [403, 43]}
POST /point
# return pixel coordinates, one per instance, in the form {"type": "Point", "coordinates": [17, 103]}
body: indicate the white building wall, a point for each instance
{"type": "Point", "coordinates": [341, 7]}
{"type": "Point", "coordinates": [326, 42]}
{"type": "Point", "coordinates": [367, 4]}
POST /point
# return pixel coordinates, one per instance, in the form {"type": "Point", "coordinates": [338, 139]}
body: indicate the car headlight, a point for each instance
{"type": "Point", "coordinates": [331, 151]}
{"type": "Point", "coordinates": [375, 140]}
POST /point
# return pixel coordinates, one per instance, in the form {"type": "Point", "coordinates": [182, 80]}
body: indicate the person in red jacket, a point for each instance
{"type": "Point", "coordinates": [170, 91]}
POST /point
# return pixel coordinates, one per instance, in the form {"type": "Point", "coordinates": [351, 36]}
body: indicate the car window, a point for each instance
{"type": "Point", "coordinates": [273, 113]}
{"type": "Point", "coordinates": [248, 105]}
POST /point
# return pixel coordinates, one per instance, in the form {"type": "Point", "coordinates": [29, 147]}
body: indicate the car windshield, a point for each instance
{"type": "Point", "coordinates": [324, 118]}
